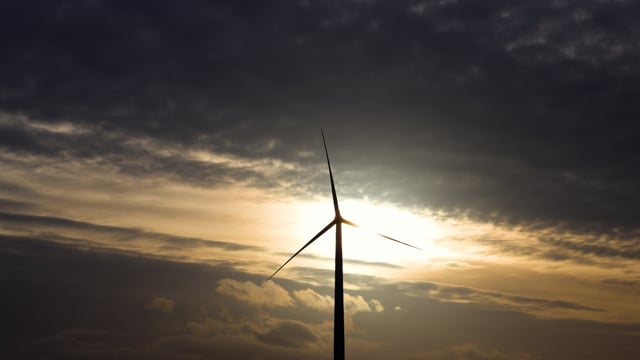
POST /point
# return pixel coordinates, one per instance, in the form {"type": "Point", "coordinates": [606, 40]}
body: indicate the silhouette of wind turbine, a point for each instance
{"type": "Point", "coordinates": [338, 220]}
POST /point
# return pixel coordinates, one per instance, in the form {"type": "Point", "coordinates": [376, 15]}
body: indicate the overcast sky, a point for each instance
{"type": "Point", "coordinates": [159, 159]}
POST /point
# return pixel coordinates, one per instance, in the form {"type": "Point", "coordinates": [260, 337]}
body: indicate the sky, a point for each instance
{"type": "Point", "coordinates": [160, 159]}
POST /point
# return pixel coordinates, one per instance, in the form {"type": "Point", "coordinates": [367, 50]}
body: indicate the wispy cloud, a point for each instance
{"type": "Point", "coordinates": [60, 229]}
{"type": "Point", "coordinates": [466, 295]}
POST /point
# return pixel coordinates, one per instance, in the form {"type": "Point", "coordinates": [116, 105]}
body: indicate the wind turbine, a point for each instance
{"type": "Point", "coordinates": [338, 220]}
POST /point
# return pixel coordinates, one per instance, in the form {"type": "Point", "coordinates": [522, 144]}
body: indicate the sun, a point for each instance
{"type": "Point", "coordinates": [390, 220]}
{"type": "Point", "coordinates": [364, 251]}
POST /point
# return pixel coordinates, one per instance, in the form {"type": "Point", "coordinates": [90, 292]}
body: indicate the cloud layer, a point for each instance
{"type": "Point", "coordinates": [515, 109]}
{"type": "Point", "coordinates": [68, 302]}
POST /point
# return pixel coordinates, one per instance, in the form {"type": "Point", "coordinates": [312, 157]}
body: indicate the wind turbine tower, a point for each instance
{"type": "Point", "coordinates": [338, 220]}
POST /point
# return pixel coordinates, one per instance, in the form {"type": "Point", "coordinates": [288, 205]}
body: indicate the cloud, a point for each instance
{"type": "Point", "coordinates": [620, 282]}
{"type": "Point", "coordinates": [166, 348]}
{"type": "Point", "coordinates": [161, 304]}
{"type": "Point", "coordinates": [288, 334]}
{"type": "Point", "coordinates": [70, 317]}
{"type": "Point", "coordinates": [8, 204]}
{"type": "Point", "coordinates": [89, 234]}
{"type": "Point", "coordinates": [564, 70]}
{"type": "Point", "coordinates": [354, 304]}
{"type": "Point", "coordinates": [266, 294]}
{"type": "Point", "coordinates": [209, 326]}
{"type": "Point", "coordinates": [376, 305]}
{"type": "Point", "coordinates": [262, 327]}
{"type": "Point", "coordinates": [604, 248]}
{"type": "Point", "coordinates": [131, 155]}
{"type": "Point", "coordinates": [271, 294]}
{"type": "Point", "coordinates": [311, 299]}
{"type": "Point", "coordinates": [597, 248]}
{"type": "Point", "coordinates": [459, 294]}
{"type": "Point", "coordinates": [474, 352]}
{"type": "Point", "coordinates": [60, 347]}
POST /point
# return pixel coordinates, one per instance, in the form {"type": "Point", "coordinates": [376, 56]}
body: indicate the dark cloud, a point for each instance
{"type": "Point", "coordinates": [161, 304]}
{"type": "Point", "coordinates": [120, 153]}
{"type": "Point", "coordinates": [63, 302]}
{"type": "Point", "coordinates": [169, 348]}
{"type": "Point", "coordinates": [13, 205]}
{"type": "Point", "coordinates": [597, 247]}
{"type": "Point", "coordinates": [518, 113]}
{"type": "Point", "coordinates": [288, 334]}
{"type": "Point", "coordinates": [518, 109]}
{"type": "Point", "coordinates": [606, 248]}
{"type": "Point", "coordinates": [17, 190]}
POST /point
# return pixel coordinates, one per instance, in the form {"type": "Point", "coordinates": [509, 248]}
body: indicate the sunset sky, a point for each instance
{"type": "Point", "coordinates": [160, 159]}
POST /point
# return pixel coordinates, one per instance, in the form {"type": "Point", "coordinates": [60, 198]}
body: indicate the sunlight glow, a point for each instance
{"type": "Point", "coordinates": [364, 251]}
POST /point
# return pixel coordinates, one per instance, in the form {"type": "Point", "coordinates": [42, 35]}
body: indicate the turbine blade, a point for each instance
{"type": "Point", "coordinates": [333, 187]}
{"type": "Point", "coordinates": [381, 235]}
{"type": "Point", "coordinates": [305, 245]}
